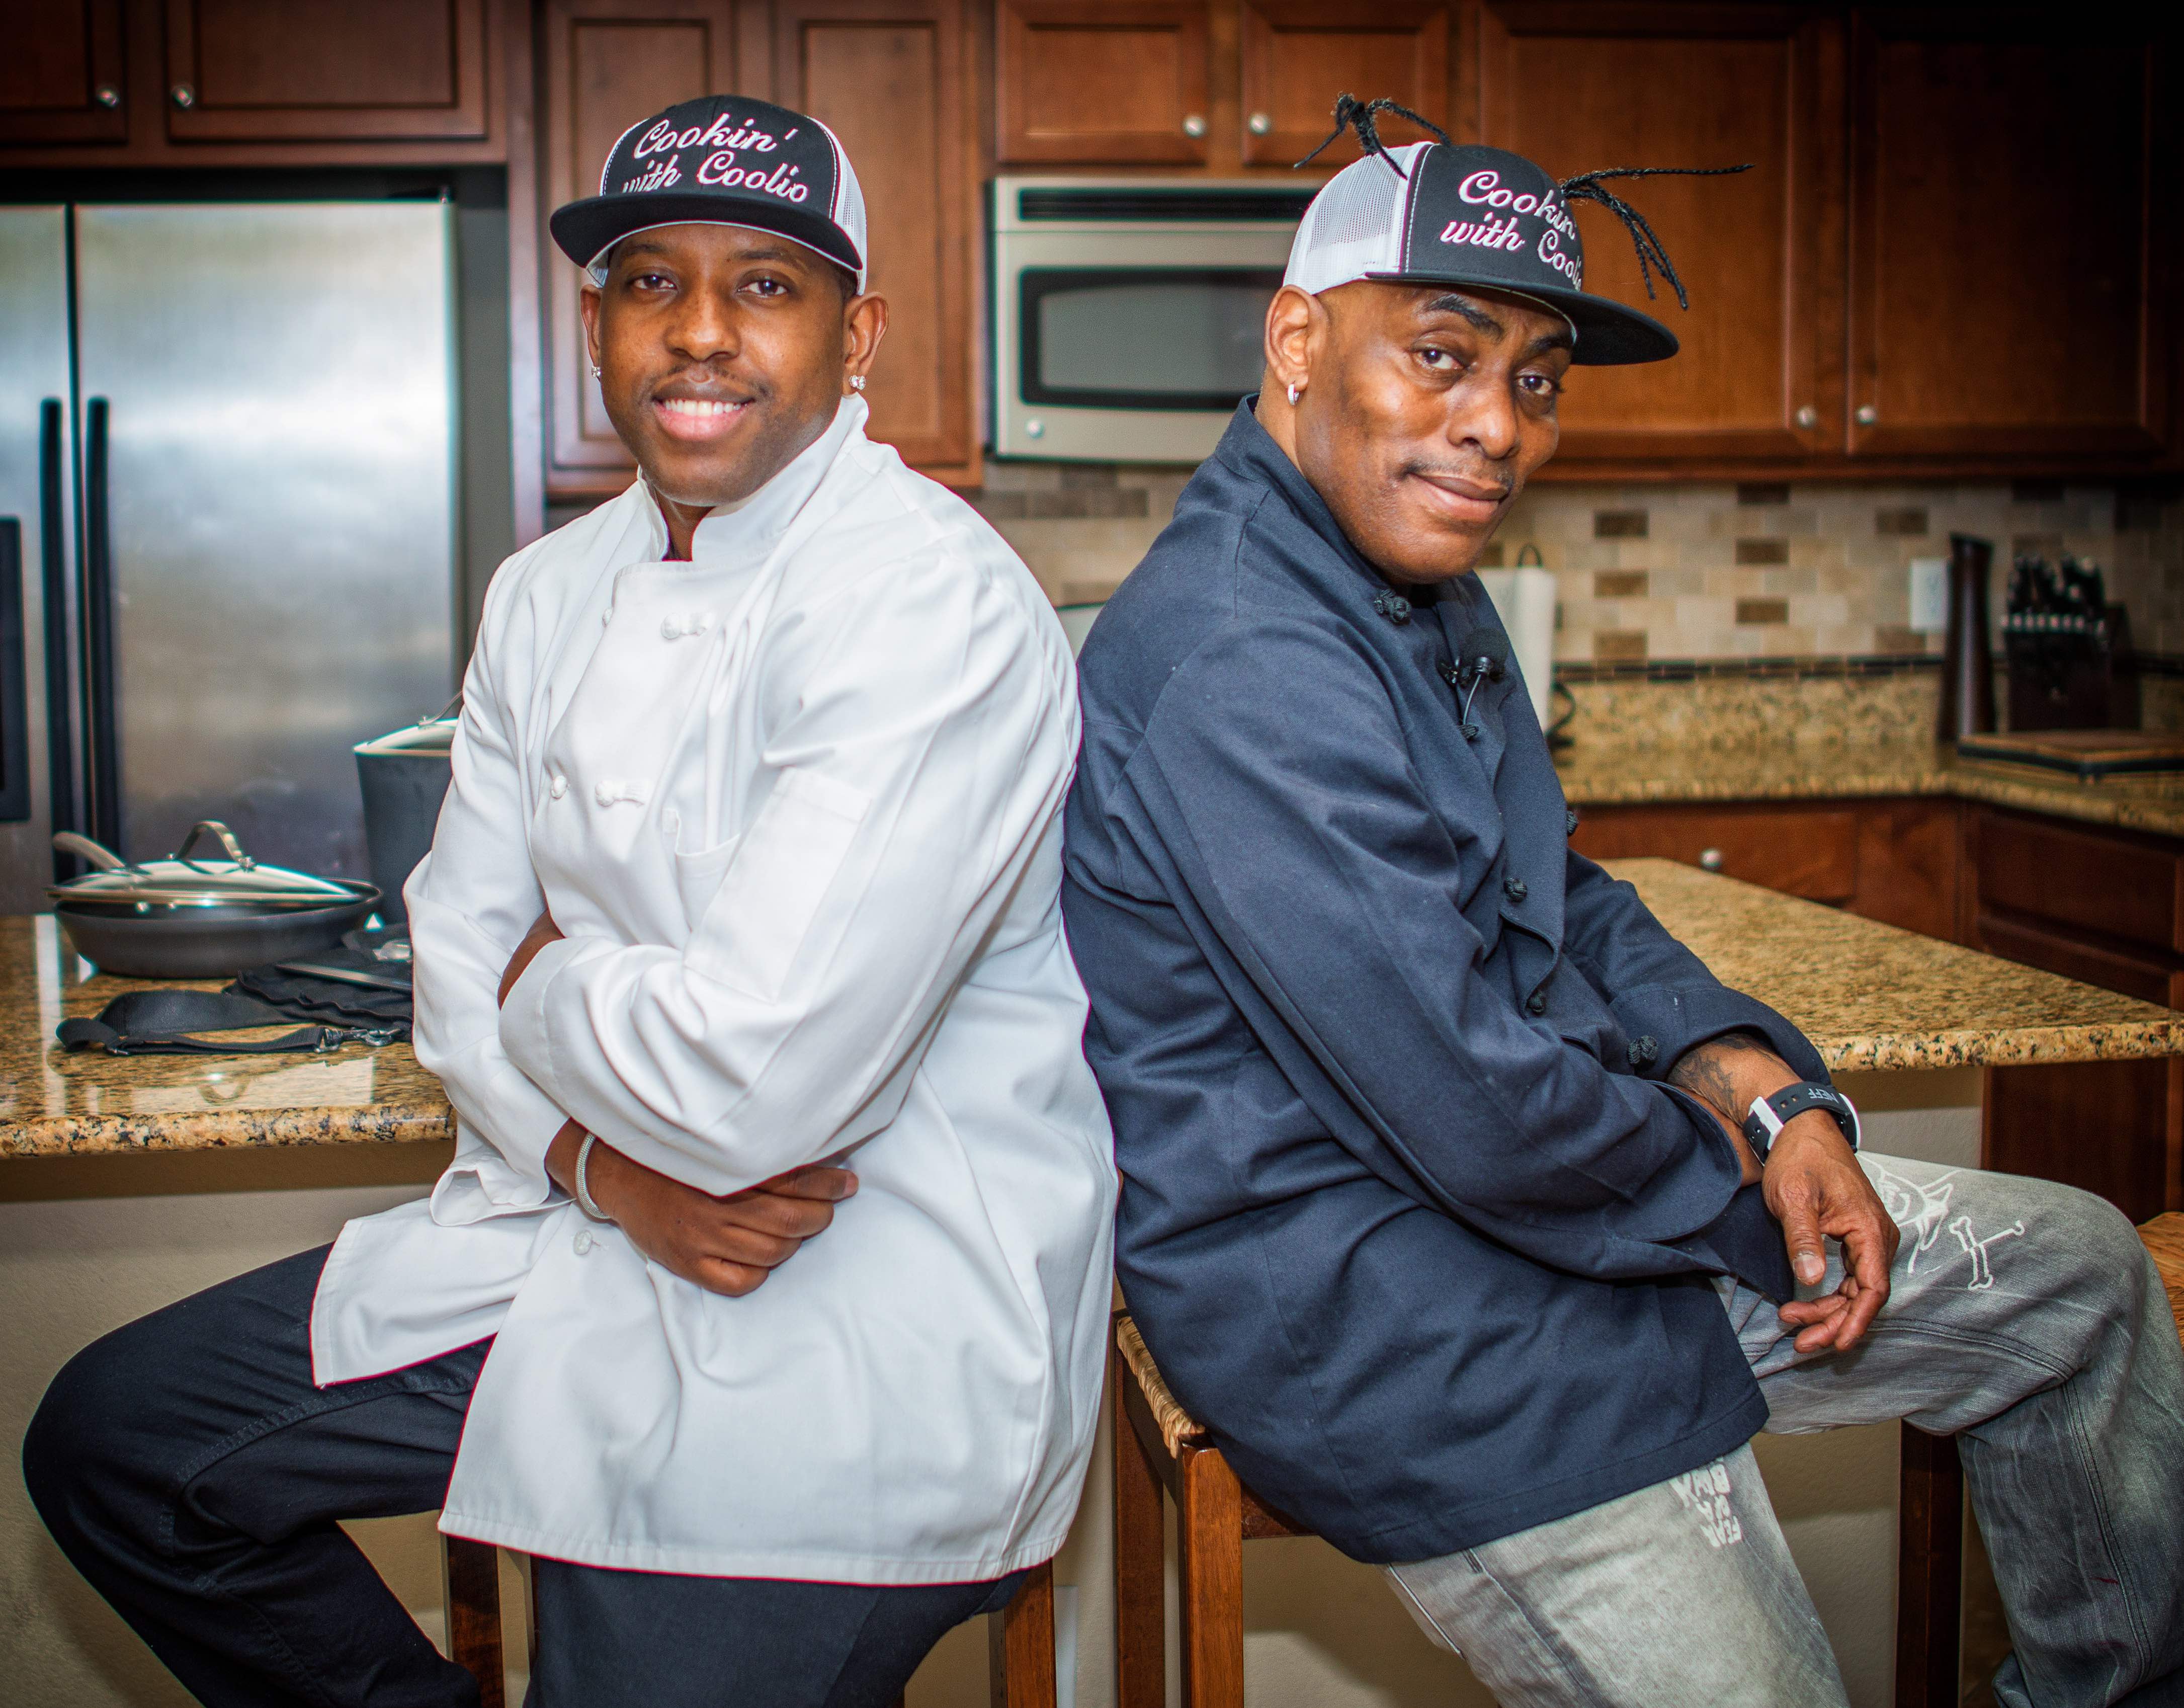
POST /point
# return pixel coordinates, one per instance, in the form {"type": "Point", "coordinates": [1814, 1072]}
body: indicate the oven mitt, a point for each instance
{"type": "Point", "coordinates": [167, 1023]}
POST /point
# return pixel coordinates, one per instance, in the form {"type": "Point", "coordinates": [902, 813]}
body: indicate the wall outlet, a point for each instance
{"type": "Point", "coordinates": [1930, 594]}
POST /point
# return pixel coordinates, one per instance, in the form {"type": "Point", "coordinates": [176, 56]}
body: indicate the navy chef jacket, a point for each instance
{"type": "Point", "coordinates": [1408, 1218]}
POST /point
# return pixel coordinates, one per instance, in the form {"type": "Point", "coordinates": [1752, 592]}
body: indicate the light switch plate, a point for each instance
{"type": "Point", "coordinates": [1929, 594]}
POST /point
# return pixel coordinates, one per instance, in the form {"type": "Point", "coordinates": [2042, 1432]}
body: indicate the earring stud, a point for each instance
{"type": "Point", "coordinates": [595, 374]}
{"type": "Point", "coordinates": [1295, 391]}
{"type": "Point", "coordinates": [856, 382]}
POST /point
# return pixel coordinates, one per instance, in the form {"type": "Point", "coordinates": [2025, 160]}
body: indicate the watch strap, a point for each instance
{"type": "Point", "coordinates": [1768, 1116]}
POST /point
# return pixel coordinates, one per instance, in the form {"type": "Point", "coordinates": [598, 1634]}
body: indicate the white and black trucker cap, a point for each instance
{"type": "Point", "coordinates": [721, 160]}
{"type": "Point", "coordinates": [1442, 214]}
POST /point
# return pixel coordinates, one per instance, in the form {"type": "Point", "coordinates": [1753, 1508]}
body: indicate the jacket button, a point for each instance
{"type": "Point", "coordinates": [1643, 1053]}
{"type": "Point", "coordinates": [560, 787]}
{"type": "Point", "coordinates": [1515, 889]}
{"type": "Point", "coordinates": [1569, 823]}
{"type": "Point", "coordinates": [1536, 1003]}
{"type": "Point", "coordinates": [583, 1242]}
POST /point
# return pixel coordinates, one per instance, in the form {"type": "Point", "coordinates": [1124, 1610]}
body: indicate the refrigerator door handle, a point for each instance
{"type": "Point", "coordinates": [53, 580]}
{"type": "Point", "coordinates": [100, 720]}
{"type": "Point", "coordinates": [14, 690]}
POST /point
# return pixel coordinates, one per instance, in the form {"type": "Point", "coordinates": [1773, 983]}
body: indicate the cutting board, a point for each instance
{"type": "Point", "coordinates": [2089, 754]}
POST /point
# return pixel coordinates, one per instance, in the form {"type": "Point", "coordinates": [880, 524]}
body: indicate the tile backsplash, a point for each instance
{"type": "Point", "coordinates": [1706, 571]}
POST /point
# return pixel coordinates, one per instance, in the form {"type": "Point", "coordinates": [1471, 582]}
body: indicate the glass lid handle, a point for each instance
{"type": "Point", "coordinates": [227, 841]}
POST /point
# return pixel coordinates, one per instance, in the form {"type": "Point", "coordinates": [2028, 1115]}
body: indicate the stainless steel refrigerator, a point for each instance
{"type": "Point", "coordinates": [227, 519]}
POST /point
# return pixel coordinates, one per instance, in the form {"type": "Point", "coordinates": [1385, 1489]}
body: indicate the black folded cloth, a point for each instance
{"type": "Point", "coordinates": [172, 1022]}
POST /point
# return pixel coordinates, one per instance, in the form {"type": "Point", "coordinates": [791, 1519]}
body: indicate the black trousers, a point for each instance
{"type": "Point", "coordinates": [191, 1471]}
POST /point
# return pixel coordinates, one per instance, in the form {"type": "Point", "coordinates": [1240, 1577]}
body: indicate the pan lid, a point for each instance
{"type": "Point", "coordinates": [184, 880]}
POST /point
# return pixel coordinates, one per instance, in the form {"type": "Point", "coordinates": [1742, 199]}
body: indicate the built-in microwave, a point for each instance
{"type": "Point", "coordinates": [1128, 314]}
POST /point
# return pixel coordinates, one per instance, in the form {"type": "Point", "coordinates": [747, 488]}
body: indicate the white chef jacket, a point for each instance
{"type": "Point", "coordinates": [796, 804]}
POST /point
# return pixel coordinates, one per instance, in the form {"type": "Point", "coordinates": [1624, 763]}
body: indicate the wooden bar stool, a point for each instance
{"type": "Point", "coordinates": [1929, 1537]}
{"type": "Point", "coordinates": [1159, 1446]}
{"type": "Point", "coordinates": [1019, 1639]}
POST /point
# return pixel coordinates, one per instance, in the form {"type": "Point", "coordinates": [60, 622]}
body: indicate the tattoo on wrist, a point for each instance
{"type": "Point", "coordinates": [1704, 1072]}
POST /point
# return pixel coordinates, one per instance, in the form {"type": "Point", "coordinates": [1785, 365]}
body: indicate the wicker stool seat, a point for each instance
{"type": "Point", "coordinates": [1160, 1448]}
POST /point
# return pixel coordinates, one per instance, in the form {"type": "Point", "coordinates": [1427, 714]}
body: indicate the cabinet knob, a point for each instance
{"type": "Point", "coordinates": [1195, 124]}
{"type": "Point", "coordinates": [183, 95]}
{"type": "Point", "coordinates": [1710, 859]}
{"type": "Point", "coordinates": [107, 95]}
{"type": "Point", "coordinates": [1259, 124]}
{"type": "Point", "coordinates": [1867, 414]}
{"type": "Point", "coordinates": [1808, 417]}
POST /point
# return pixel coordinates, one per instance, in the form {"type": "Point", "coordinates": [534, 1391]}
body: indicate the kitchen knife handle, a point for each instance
{"type": "Point", "coordinates": [53, 580]}
{"type": "Point", "coordinates": [14, 694]}
{"type": "Point", "coordinates": [100, 716]}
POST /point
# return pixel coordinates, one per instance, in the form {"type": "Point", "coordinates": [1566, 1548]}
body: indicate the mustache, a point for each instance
{"type": "Point", "coordinates": [705, 382]}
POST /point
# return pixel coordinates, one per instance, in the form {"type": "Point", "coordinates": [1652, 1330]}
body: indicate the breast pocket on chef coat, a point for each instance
{"type": "Point", "coordinates": [778, 877]}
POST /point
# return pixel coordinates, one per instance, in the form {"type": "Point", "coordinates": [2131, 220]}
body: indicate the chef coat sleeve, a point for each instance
{"type": "Point", "coordinates": [1273, 784]}
{"type": "Point", "coordinates": [1664, 998]}
{"type": "Point", "coordinates": [926, 735]}
{"type": "Point", "coordinates": [470, 900]}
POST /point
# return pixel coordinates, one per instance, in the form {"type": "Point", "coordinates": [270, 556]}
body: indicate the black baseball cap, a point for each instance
{"type": "Point", "coordinates": [721, 160]}
{"type": "Point", "coordinates": [1444, 214]}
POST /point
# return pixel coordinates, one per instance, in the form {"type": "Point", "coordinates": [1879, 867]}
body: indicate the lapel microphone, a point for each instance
{"type": "Point", "coordinates": [1479, 657]}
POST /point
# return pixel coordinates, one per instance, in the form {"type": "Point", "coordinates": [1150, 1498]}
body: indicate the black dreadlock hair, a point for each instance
{"type": "Point", "coordinates": [1364, 116]}
{"type": "Point", "coordinates": [1586, 187]}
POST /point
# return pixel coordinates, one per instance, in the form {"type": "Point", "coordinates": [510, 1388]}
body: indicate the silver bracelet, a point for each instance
{"type": "Point", "coordinates": [584, 1199]}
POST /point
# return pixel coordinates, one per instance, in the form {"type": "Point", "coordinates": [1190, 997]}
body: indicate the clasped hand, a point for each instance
{"type": "Point", "coordinates": [1812, 1185]}
{"type": "Point", "coordinates": [726, 1245]}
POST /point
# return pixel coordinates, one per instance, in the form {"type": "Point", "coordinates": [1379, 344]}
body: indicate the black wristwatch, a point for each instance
{"type": "Point", "coordinates": [1770, 1115]}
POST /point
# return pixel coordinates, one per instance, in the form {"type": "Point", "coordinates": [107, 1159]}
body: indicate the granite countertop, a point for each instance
{"type": "Point", "coordinates": [1623, 775]}
{"type": "Point", "coordinates": [1871, 997]}
{"type": "Point", "coordinates": [56, 1102]}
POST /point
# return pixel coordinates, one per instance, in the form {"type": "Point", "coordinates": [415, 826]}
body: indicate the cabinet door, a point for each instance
{"type": "Point", "coordinates": [608, 63]}
{"type": "Point", "coordinates": [2003, 284]}
{"type": "Point", "coordinates": [1085, 82]}
{"type": "Point", "coordinates": [326, 71]}
{"type": "Point", "coordinates": [60, 74]}
{"type": "Point", "coordinates": [887, 76]}
{"type": "Point", "coordinates": [1799, 850]}
{"type": "Point", "coordinates": [1300, 54]}
{"type": "Point", "coordinates": [1581, 86]}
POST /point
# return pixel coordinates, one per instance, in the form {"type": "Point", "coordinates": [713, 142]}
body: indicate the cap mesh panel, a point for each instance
{"type": "Point", "coordinates": [1354, 226]}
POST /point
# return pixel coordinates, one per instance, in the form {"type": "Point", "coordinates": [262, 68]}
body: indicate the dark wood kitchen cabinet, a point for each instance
{"type": "Point", "coordinates": [1581, 86]}
{"type": "Point", "coordinates": [61, 75]}
{"type": "Point", "coordinates": [1078, 81]}
{"type": "Point", "coordinates": [888, 77]}
{"type": "Point", "coordinates": [1891, 860]}
{"type": "Point", "coordinates": [253, 83]}
{"type": "Point", "coordinates": [2007, 254]}
{"type": "Point", "coordinates": [326, 71]}
{"type": "Point", "coordinates": [607, 63]}
{"type": "Point", "coordinates": [2106, 908]}
{"type": "Point", "coordinates": [1237, 86]}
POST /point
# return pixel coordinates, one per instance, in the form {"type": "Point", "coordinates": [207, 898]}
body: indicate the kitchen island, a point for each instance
{"type": "Point", "coordinates": [1913, 1026]}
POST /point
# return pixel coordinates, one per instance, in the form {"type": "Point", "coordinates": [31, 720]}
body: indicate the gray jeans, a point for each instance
{"type": "Point", "coordinates": [2024, 1316]}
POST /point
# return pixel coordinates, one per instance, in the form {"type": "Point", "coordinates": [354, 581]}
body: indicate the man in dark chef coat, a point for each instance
{"type": "Point", "coordinates": [1439, 1207]}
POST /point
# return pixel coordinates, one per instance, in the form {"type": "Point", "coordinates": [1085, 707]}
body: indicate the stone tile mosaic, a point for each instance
{"type": "Point", "coordinates": [1833, 555]}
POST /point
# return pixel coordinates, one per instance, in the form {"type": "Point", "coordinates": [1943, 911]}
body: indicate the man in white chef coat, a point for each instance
{"type": "Point", "coordinates": [742, 917]}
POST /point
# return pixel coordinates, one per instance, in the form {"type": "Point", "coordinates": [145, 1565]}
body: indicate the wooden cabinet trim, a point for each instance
{"type": "Point", "coordinates": [2112, 885]}
{"type": "Point", "coordinates": [463, 117]}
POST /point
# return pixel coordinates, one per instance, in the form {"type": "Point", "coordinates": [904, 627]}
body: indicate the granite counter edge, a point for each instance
{"type": "Point", "coordinates": [377, 1124]}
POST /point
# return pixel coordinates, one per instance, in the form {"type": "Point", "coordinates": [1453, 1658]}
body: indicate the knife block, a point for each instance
{"type": "Point", "coordinates": [2075, 678]}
